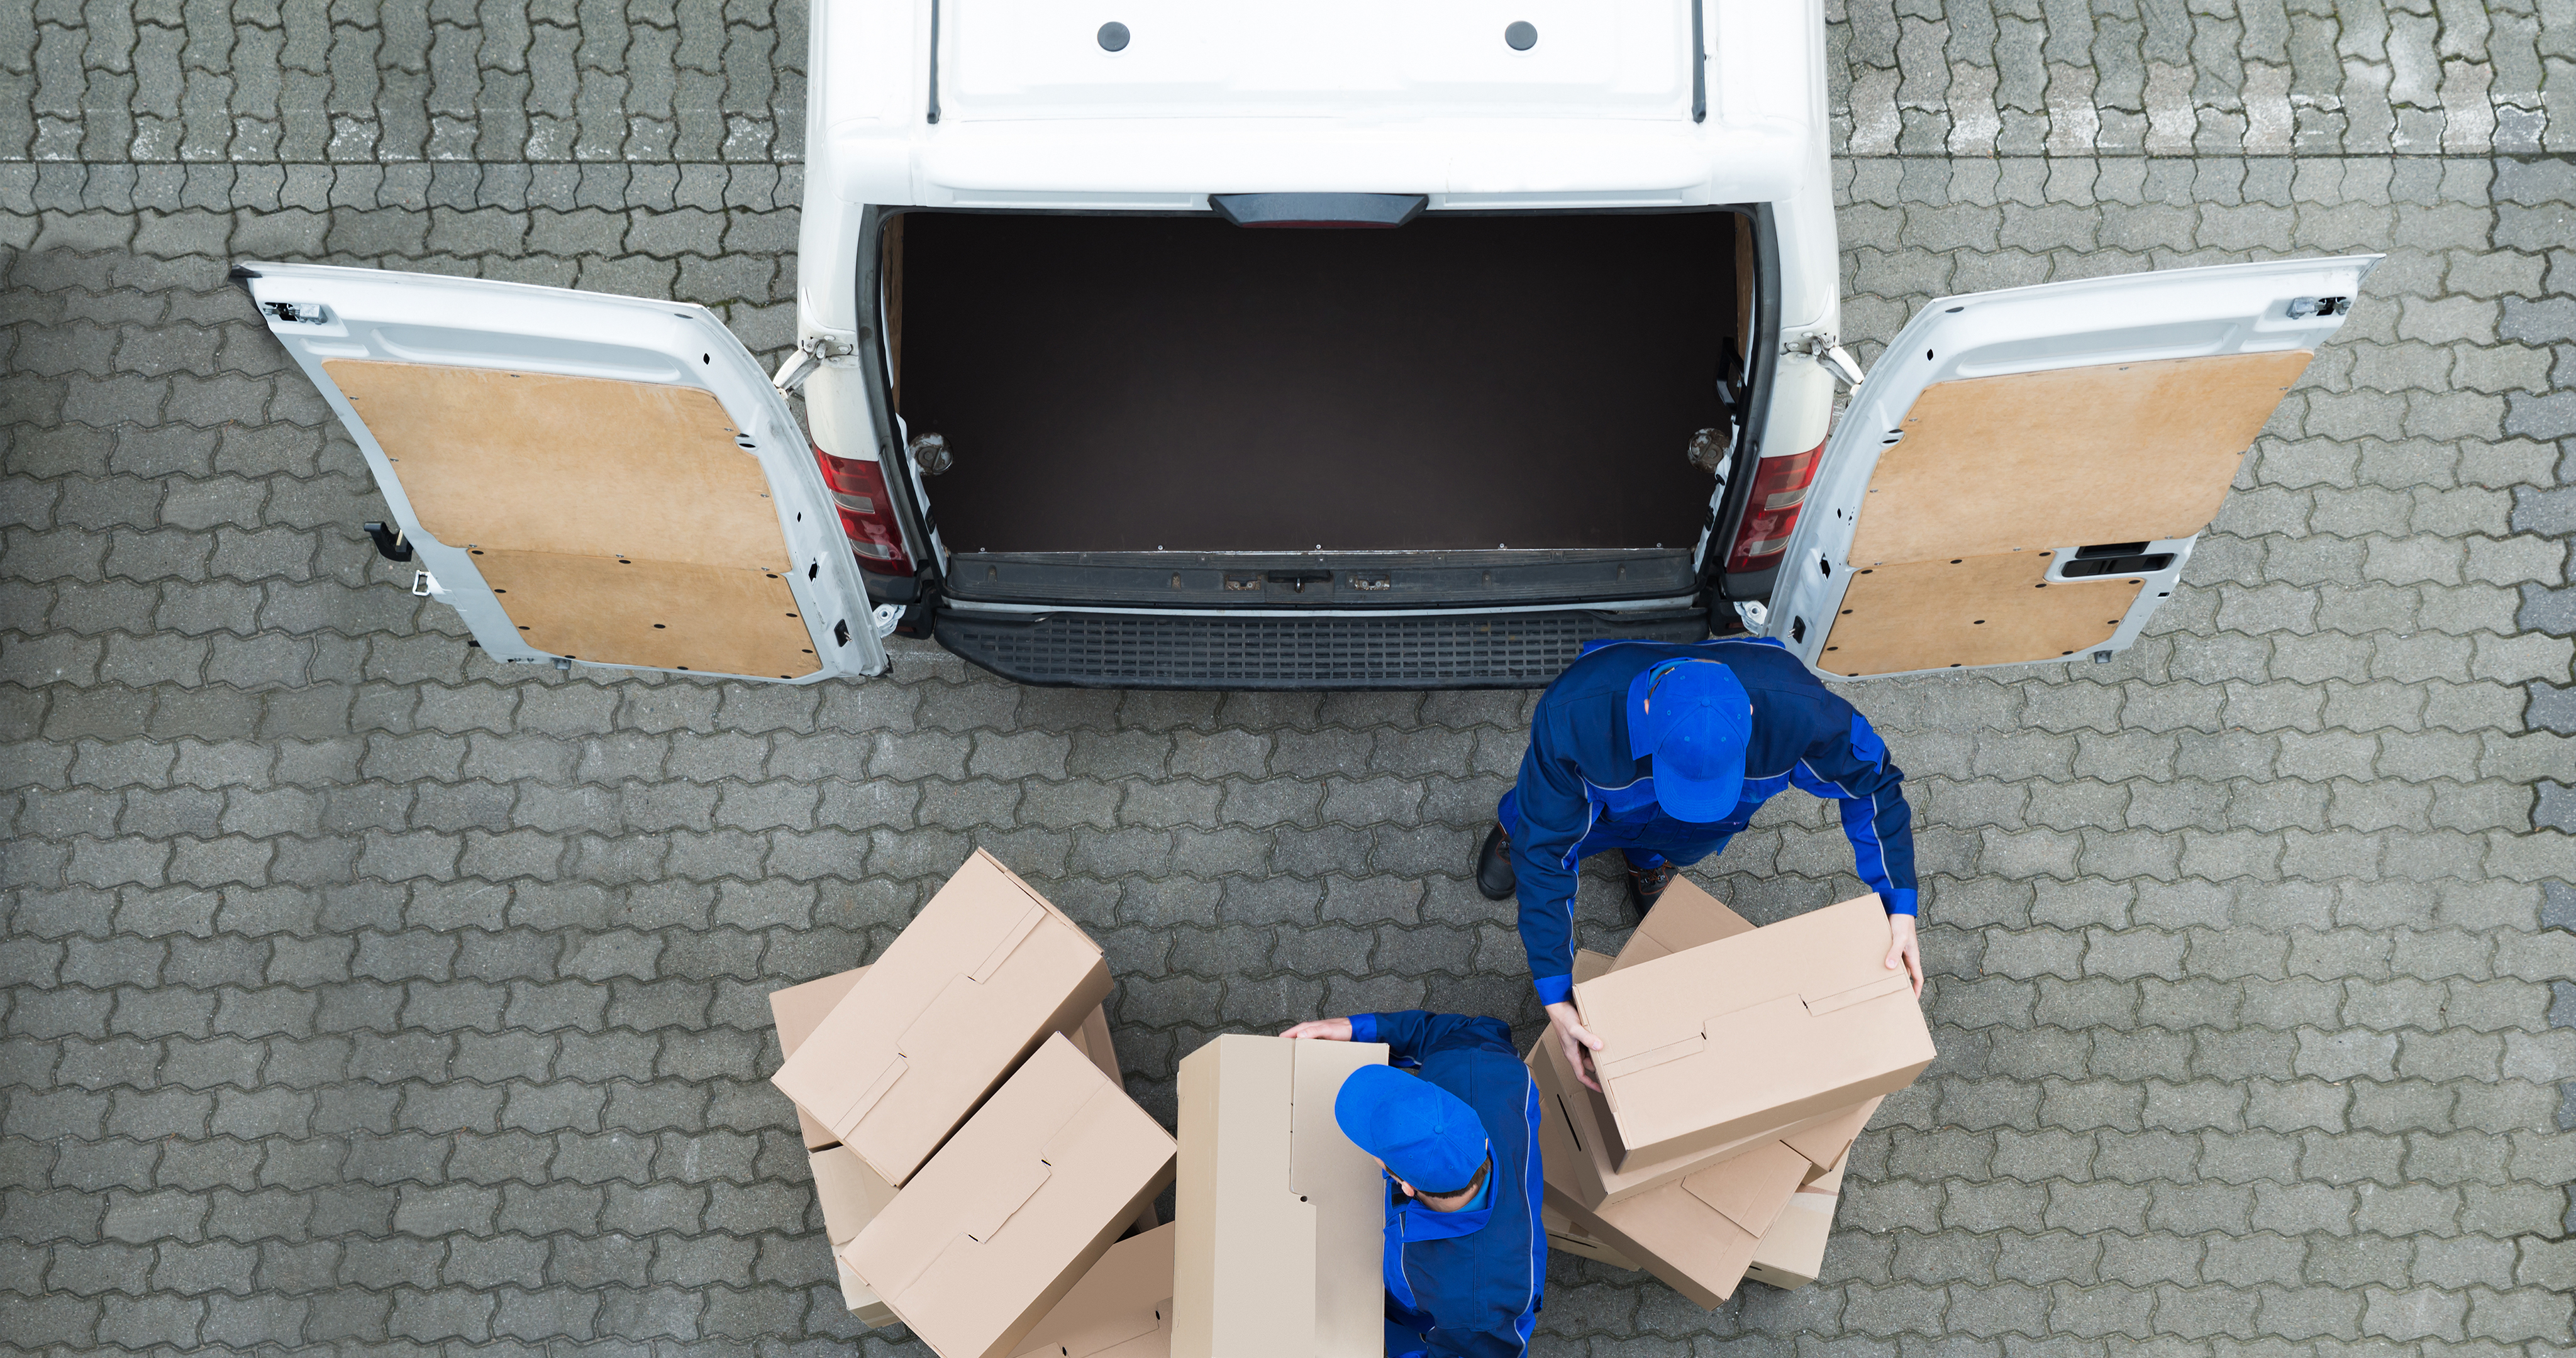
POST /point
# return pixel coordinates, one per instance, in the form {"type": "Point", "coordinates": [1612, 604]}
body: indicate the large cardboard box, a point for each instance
{"type": "Point", "coordinates": [985, 972]}
{"type": "Point", "coordinates": [1016, 1208]}
{"type": "Point", "coordinates": [1792, 1253]}
{"type": "Point", "coordinates": [1698, 1235]}
{"type": "Point", "coordinates": [1281, 1218]}
{"type": "Point", "coordinates": [1566, 1237]}
{"type": "Point", "coordinates": [1750, 1034]}
{"type": "Point", "coordinates": [1122, 1308]}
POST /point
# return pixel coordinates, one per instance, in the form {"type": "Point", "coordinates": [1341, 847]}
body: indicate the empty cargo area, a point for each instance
{"type": "Point", "coordinates": [1134, 384]}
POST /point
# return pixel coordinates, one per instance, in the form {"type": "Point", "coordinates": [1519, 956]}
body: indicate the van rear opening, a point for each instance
{"type": "Point", "coordinates": [1139, 384]}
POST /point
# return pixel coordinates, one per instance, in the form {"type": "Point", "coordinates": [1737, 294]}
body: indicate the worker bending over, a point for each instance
{"type": "Point", "coordinates": [1664, 752]}
{"type": "Point", "coordinates": [1465, 1256]}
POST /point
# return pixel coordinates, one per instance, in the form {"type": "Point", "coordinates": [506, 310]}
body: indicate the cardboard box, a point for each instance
{"type": "Point", "coordinates": [1792, 1253]}
{"type": "Point", "coordinates": [1683, 917]}
{"type": "Point", "coordinates": [797, 1010]}
{"type": "Point", "coordinates": [1699, 1235]}
{"type": "Point", "coordinates": [1563, 1235]}
{"type": "Point", "coordinates": [1753, 1033]}
{"type": "Point", "coordinates": [984, 973]}
{"type": "Point", "coordinates": [1016, 1208]}
{"type": "Point", "coordinates": [1577, 1146]}
{"type": "Point", "coordinates": [1122, 1308]}
{"type": "Point", "coordinates": [1281, 1218]}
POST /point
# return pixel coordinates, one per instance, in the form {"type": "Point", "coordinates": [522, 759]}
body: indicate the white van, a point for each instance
{"type": "Point", "coordinates": [1152, 343]}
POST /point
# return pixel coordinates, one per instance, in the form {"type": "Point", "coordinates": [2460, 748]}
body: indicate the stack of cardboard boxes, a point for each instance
{"type": "Point", "coordinates": [974, 1153]}
{"type": "Point", "coordinates": [977, 1159]}
{"type": "Point", "coordinates": [1739, 1066]}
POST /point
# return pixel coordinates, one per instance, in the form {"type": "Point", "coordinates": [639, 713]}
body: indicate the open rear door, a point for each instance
{"type": "Point", "coordinates": [2024, 474]}
{"type": "Point", "coordinates": [584, 477]}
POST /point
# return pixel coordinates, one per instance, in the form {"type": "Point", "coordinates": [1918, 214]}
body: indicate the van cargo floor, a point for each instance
{"type": "Point", "coordinates": [1137, 383]}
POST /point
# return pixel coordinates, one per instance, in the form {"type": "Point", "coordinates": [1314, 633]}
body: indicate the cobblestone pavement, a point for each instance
{"type": "Point", "coordinates": [366, 997]}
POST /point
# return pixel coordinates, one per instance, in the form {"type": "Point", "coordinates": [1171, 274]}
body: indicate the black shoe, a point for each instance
{"type": "Point", "coordinates": [1646, 885]}
{"type": "Point", "coordinates": [1494, 875]}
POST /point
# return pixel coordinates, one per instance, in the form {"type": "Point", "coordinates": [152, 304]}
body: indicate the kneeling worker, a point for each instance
{"type": "Point", "coordinates": [1465, 1253]}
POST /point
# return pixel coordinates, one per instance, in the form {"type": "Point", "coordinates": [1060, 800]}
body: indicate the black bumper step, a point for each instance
{"type": "Point", "coordinates": [1126, 650]}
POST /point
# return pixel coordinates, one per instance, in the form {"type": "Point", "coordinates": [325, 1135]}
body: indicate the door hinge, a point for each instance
{"type": "Point", "coordinates": [812, 352]}
{"type": "Point", "coordinates": [883, 618]}
{"type": "Point", "coordinates": [1828, 350]}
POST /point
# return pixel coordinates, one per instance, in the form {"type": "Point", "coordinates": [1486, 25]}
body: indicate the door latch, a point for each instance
{"type": "Point", "coordinates": [1828, 351]}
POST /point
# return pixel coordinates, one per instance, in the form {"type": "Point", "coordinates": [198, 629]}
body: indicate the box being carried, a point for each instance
{"type": "Point", "coordinates": [1753, 1033]}
{"type": "Point", "coordinates": [1019, 1205]}
{"type": "Point", "coordinates": [985, 972]}
{"type": "Point", "coordinates": [1281, 1217]}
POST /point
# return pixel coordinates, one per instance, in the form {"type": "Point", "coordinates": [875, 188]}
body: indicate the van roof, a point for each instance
{"type": "Point", "coordinates": [1031, 104]}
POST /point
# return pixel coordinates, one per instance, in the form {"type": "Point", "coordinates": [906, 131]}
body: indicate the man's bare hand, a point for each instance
{"type": "Point", "coordinates": [1578, 1041]}
{"type": "Point", "coordinates": [1322, 1030]}
{"type": "Point", "coordinates": [1903, 947]}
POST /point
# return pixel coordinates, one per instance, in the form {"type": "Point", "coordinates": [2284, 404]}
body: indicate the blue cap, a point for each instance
{"type": "Point", "coordinates": [1695, 719]}
{"type": "Point", "coordinates": [1426, 1135]}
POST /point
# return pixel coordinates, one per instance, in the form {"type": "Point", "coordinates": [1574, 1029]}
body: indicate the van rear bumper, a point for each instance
{"type": "Point", "coordinates": [1142, 650]}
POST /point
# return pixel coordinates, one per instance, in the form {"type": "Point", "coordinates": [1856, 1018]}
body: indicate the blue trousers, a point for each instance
{"type": "Point", "coordinates": [1634, 838]}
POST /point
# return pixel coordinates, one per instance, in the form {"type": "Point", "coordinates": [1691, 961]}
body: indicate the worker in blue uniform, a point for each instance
{"type": "Point", "coordinates": [1454, 1119]}
{"type": "Point", "coordinates": [1664, 752]}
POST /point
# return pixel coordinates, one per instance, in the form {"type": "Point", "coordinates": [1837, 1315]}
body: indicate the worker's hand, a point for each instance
{"type": "Point", "coordinates": [1322, 1030]}
{"type": "Point", "coordinates": [1579, 1041]}
{"type": "Point", "coordinates": [1904, 948]}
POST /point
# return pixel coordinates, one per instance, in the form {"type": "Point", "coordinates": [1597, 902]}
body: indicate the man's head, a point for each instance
{"type": "Point", "coordinates": [1427, 1137]}
{"type": "Point", "coordinates": [1695, 719]}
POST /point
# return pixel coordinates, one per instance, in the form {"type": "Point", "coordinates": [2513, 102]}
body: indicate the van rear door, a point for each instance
{"type": "Point", "coordinates": [584, 477]}
{"type": "Point", "coordinates": [2025, 472]}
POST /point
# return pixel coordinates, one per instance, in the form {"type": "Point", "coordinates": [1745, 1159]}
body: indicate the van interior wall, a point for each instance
{"type": "Point", "coordinates": [1144, 383]}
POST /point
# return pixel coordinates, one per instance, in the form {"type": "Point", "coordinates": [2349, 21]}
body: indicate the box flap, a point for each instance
{"type": "Point", "coordinates": [1684, 917]}
{"type": "Point", "coordinates": [1746, 1189]}
{"type": "Point", "coordinates": [1828, 1141]}
{"type": "Point", "coordinates": [1122, 1308]}
{"type": "Point", "coordinates": [919, 1041]}
{"type": "Point", "coordinates": [849, 1192]}
{"type": "Point", "coordinates": [1010, 1214]}
{"type": "Point", "coordinates": [1588, 964]}
{"type": "Point", "coordinates": [1774, 1025]}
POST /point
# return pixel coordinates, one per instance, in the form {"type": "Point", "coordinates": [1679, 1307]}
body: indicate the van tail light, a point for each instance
{"type": "Point", "coordinates": [867, 513]}
{"type": "Point", "coordinates": [1779, 491]}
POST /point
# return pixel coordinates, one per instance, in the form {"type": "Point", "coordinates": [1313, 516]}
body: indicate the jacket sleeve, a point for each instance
{"type": "Point", "coordinates": [1412, 1034]}
{"type": "Point", "coordinates": [1851, 765]}
{"type": "Point", "coordinates": [1554, 815]}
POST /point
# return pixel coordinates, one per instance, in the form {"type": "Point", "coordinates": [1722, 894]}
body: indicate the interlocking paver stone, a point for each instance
{"type": "Point", "coordinates": [367, 995]}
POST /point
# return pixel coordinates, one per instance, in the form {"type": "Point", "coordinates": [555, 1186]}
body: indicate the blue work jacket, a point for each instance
{"type": "Point", "coordinates": [1466, 1282]}
{"type": "Point", "coordinates": [1578, 771]}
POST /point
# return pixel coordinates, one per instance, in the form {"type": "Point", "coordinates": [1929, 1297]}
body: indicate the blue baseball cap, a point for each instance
{"type": "Point", "coordinates": [1426, 1135]}
{"type": "Point", "coordinates": [1695, 719]}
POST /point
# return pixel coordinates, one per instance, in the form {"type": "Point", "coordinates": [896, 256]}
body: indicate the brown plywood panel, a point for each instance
{"type": "Point", "coordinates": [2120, 452]}
{"type": "Point", "coordinates": [662, 614]}
{"type": "Point", "coordinates": [585, 466]}
{"type": "Point", "coordinates": [1979, 610]}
